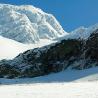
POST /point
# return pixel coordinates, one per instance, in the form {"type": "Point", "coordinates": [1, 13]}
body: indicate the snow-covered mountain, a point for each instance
{"type": "Point", "coordinates": [28, 24]}
{"type": "Point", "coordinates": [83, 32]}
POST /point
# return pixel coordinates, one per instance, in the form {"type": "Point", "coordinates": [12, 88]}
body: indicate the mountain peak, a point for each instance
{"type": "Point", "coordinates": [28, 24]}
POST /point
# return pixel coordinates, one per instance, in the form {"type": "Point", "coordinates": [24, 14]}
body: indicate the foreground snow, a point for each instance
{"type": "Point", "coordinates": [66, 84]}
{"type": "Point", "coordinates": [51, 90]}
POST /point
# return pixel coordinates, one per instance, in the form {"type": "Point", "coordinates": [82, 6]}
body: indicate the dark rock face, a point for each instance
{"type": "Point", "coordinates": [8, 71]}
{"type": "Point", "coordinates": [76, 54]}
{"type": "Point", "coordinates": [92, 46]}
{"type": "Point", "coordinates": [90, 51]}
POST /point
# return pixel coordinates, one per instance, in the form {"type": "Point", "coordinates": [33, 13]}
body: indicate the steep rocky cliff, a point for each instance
{"type": "Point", "coordinates": [71, 53]}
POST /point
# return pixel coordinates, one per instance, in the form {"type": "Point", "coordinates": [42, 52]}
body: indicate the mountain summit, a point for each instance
{"type": "Point", "coordinates": [28, 24]}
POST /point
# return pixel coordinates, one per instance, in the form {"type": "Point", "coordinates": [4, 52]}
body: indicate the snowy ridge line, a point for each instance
{"type": "Point", "coordinates": [80, 33]}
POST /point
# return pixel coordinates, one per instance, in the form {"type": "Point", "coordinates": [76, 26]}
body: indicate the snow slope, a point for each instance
{"type": "Point", "coordinates": [51, 90]}
{"type": "Point", "coordinates": [28, 24]}
{"type": "Point", "coordinates": [10, 48]}
{"type": "Point", "coordinates": [84, 86]}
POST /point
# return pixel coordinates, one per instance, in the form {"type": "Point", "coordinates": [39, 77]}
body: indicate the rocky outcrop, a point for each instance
{"type": "Point", "coordinates": [71, 53]}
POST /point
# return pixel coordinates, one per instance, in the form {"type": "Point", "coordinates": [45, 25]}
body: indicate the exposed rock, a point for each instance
{"type": "Point", "coordinates": [71, 53]}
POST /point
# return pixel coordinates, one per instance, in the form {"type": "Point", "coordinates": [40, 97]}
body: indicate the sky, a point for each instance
{"type": "Point", "coordinates": [70, 13]}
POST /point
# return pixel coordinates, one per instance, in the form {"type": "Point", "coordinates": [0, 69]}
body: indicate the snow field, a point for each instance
{"type": "Point", "coordinates": [51, 90]}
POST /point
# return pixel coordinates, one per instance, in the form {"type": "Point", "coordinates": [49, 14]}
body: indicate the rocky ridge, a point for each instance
{"type": "Point", "coordinates": [71, 53]}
